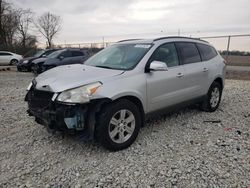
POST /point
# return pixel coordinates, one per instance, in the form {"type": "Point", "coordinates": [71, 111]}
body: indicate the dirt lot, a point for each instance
{"type": "Point", "coordinates": [178, 150]}
{"type": "Point", "coordinates": [238, 72]}
{"type": "Point", "coordinates": [237, 60]}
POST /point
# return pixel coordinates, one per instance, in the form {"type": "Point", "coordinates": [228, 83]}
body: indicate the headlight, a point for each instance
{"type": "Point", "coordinates": [30, 85]}
{"type": "Point", "coordinates": [79, 95]}
{"type": "Point", "coordinates": [26, 61]}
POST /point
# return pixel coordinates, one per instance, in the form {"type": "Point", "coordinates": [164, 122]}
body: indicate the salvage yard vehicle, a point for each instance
{"type": "Point", "coordinates": [58, 58]}
{"type": "Point", "coordinates": [25, 64]}
{"type": "Point", "coordinates": [9, 58]}
{"type": "Point", "coordinates": [110, 96]}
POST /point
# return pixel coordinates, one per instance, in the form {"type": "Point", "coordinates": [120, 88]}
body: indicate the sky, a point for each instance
{"type": "Point", "coordinates": [112, 20]}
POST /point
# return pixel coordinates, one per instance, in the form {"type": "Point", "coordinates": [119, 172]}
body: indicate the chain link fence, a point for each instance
{"type": "Point", "coordinates": [234, 48]}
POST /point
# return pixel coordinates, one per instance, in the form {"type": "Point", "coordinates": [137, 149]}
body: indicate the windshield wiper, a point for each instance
{"type": "Point", "coordinates": [103, 66]}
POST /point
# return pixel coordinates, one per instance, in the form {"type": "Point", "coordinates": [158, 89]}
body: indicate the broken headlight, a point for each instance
{"type": "Point", "coordinates": [79, 95]}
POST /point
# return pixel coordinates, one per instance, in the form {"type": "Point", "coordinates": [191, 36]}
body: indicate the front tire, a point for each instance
{"type": "Point", "coordinates": [213, 98]}
{"type": "Point", "coordinates": [118, 125]}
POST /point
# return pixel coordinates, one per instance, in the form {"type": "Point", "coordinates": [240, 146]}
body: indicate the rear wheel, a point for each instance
{"type": "Point", "coordinates": [213, 98]}
{"type": "Point", "coordinates": [118, 125]}
{"type": "Point", "coordinates": [13, 62]}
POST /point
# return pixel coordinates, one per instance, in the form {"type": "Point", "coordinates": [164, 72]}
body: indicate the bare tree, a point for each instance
{"type": "Point", "coordinates": [8, 24]}
{"type": "Point", "coordinates": [49, 25]}
{"type": "Point", "coordinates": [24, 26]}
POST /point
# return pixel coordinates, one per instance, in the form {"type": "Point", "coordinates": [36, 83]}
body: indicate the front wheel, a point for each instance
{"type": "Point", "coordinates": [213, 98]}
{"type": "Point", "coordinates": [118, 125]}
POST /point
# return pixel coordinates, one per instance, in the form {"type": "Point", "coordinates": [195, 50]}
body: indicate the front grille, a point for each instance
{"type": "Point", "coordinates": [38, 99]}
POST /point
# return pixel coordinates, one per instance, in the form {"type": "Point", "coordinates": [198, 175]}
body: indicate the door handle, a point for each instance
{"type": "Point", "coordinates": [179, 75]}
{"type": "Point", "coordinates": [205, 69]}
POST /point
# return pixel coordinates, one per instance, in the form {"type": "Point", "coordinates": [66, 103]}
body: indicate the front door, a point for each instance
{"type": "Point", "coordinates": [165, 88]}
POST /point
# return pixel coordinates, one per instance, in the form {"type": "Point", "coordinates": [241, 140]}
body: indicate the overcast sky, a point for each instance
{"type": "Point", "coordinates": [89, 21]}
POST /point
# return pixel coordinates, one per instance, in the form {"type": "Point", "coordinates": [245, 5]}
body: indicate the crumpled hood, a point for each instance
{"type": "Point", "coordinates": [71, 76]}
{"type": "Point", "coordinates": [39, 60]}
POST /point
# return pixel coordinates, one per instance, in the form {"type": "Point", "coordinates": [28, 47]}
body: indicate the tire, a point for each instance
{"type": "Point", "coordinates": [19, 69]}
{"type": "Point", "coordinates": [118, 125]}
{"type": "Point", "coordinates": [213, 98]}
{"type": "Point", "coordinates": [13, 62]}
{"type": "Point", "coordinates": [34, 69]}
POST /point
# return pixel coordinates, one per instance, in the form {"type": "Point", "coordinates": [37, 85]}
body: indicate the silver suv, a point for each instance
{"type": "Point", "coordinates": [110, 96]}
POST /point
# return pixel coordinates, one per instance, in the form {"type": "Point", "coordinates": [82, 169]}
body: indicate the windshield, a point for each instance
{"type": "Point", "coordinates": [119, 56]}
{"type": "Point", "coordinates": [39, 53]}
{"type": "Point", "coordinates": [55, 54]}
{"type": "Point", "coordinates": [48, 52]}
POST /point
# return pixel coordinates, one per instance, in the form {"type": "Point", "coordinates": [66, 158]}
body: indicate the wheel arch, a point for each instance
{"type": "Point", "coordinates": [13, 59]}
{"type": "Point", "coordinates": [220, 81]}
{"type": "Point", "coordinates": [137, 102]}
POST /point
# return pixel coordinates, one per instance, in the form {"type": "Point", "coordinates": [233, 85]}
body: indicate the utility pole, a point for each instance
{"type": "Point", "coordinates": [103, 42]}
{"type": "Point", "coordinates": [179, 32]}
{"type": "Point", "coordinates": [228, 44]}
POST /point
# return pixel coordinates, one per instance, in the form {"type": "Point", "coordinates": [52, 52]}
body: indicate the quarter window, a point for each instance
{"type": "Point", "coordinates": [207, 52]}
{"type": "Point", "coordinates": [166, 53]}
{"type": "Point", "coordinates": [188, 52]}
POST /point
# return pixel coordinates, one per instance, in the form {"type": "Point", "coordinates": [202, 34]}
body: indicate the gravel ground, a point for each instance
{"type": "Point", "coordinates": [178, 150]}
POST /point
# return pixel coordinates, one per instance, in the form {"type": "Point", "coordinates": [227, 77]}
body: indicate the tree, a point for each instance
{"type": "Point", "coordinates": [8, 24]}
{"type": "Point", "coordinates": [24, 26]}
{"type": "Point", "coordinates": [49, 25]}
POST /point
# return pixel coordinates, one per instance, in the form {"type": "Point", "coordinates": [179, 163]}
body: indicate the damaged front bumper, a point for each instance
{"type": "Point", "coordinates": [62, 117]}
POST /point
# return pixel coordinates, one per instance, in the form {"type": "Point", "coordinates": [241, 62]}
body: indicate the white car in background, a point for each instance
{"type": "Point", "coordinates": [9, 58]}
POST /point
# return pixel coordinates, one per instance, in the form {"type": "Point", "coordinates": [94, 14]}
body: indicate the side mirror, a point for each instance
{"type": "Point", "coordinates": [158, 66]}
{"type": "Point", "coordinates": [61, 57]}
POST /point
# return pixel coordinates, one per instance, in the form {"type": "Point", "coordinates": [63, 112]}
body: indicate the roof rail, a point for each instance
{"type": "Point", "coordinates": [128, 40]}
{"type": "Point", "coordinates": [179, 37]}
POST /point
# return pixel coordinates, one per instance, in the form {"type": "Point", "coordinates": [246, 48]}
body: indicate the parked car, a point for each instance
{"type": "Point", "coordinates": [9, 58]}
{"type": "Point", "coordinates": [113, 92]}
{"type": "Point", "coordinates": [58, 58]}
{"type": "Point", "coordinates": [25, 64]}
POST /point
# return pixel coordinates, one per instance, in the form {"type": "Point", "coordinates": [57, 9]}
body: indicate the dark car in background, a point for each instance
{"type": "Point", "coordinates": [25, 64]}
{"type": "Point", "coordinates": [58, 58]}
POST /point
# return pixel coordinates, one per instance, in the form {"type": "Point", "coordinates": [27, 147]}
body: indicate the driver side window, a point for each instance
{"type": "Point", "coordinates": [66, 54]}
{"type": "Point", "coordinates": [166, 53]}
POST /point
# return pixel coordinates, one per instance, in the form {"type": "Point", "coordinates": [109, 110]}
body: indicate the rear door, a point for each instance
{"type": "Point", "coordinates": [209, 57]}
{"type": "Point", "coordinates": [165, 88]}
{"type": "Point", "coordinates": [5, 57]}
{"type": "Point", "coordinates": [195, 80]}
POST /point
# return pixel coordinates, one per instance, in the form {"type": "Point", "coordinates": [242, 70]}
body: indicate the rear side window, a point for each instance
{"type": "Point", "coordinates": [77, 53]}
{"type": "Point", "coordinates": [188, 52]}
{"type": "Point", "coordinates": [166, 53]}
{"type": "Point", "coordinates": [4, 54]}
{"type": "Point", "coordinates": [207, 52]}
